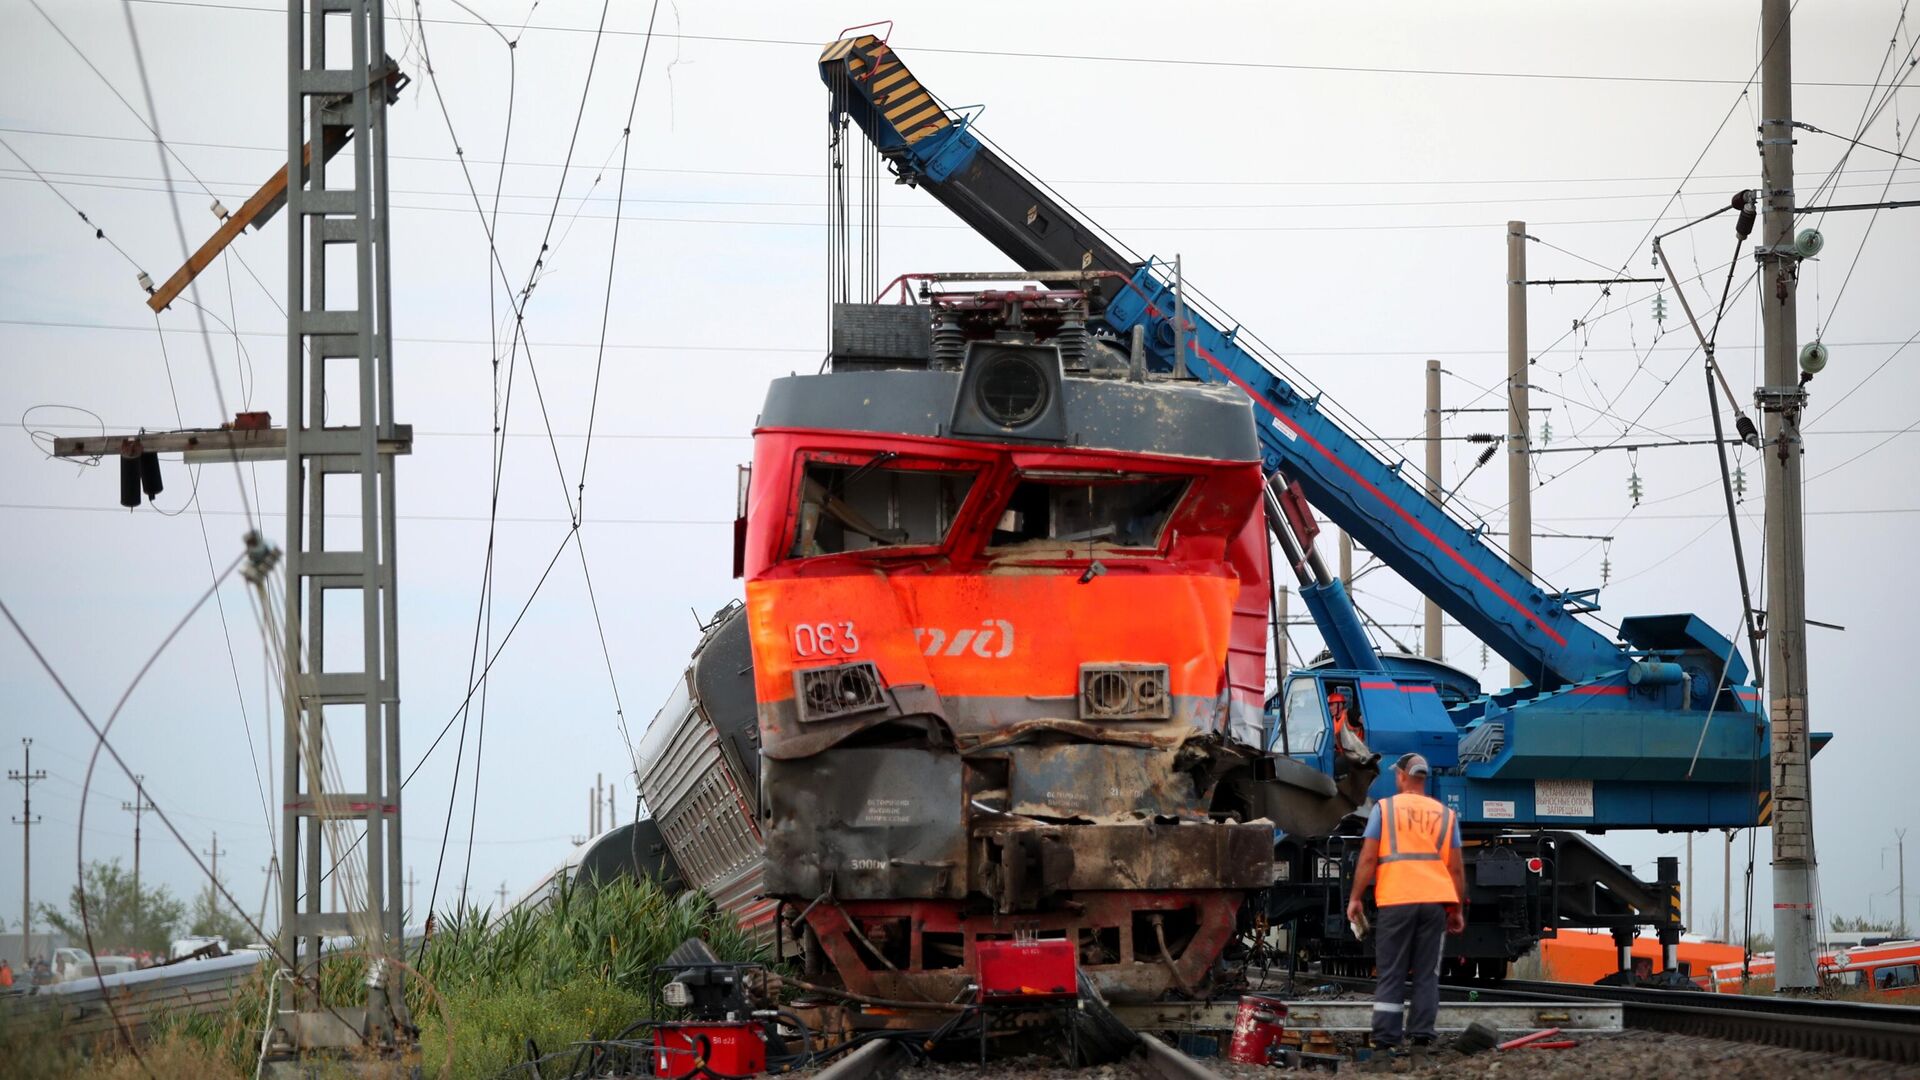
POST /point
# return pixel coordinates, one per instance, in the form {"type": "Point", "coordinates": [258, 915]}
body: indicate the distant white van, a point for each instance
{"type": "Point", "coordinates": [70, 964]}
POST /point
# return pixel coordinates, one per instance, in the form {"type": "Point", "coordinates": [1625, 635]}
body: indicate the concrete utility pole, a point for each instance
{"type": "Point", "coordinates": [410, 883]}
{"type": "Point", "coordinates": [1900, 842]}
{"type": "Point", "coordinates": [137, 807]}
{"type": "Point", "coordinates": [1519, 417]}
{"type": "Point", "coordinates": [1726, 889]}
{"type": "Point", "coordinates": [1689, 912]}
{"type": "Point", "coordinates": [1283, 637]}
{"type": "Point", "coordinates": [1434, 646]}
{"type": "Point", "coordinates": [1346, 560]}
{"type": "Point", "coordinates": [272, 872]}
{"type": "Point", "coordinates": [214, 856]}
{"type": "Point", "coordinates": [503, 896]}
{"type": "Point", "coordinates": [1781, 399]}
{"type": "Point", "coordinates": [26, 777]}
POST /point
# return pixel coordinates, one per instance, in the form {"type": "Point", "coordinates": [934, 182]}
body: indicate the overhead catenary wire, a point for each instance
{"type": "Point", "coordinates": [483, 614]}
{"type": "Point", "coordinates": [1746, 86]}
{"type": "Point", "coordinates": [1871, 109]}
{"type": "Point", "coordinates": [67, 324]}
{"type": "Point", "coordinates": [593, 409]}
{"type": "Point", "coordinates": [98, 232]}
{"type": "Point", "coordinates": [1169, 61]}
{"type": "Point", "coordinates": [476, 519]}
{"type": "Point", "coordinates": [1186, 181]}
{"type": "Point", "coordinates": [1861, 247]}
{"type": "Point", "coordinates": [102, 744]}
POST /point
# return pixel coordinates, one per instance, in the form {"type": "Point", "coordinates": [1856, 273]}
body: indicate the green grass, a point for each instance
{"type": "Point", "coordinates": [580, 968]}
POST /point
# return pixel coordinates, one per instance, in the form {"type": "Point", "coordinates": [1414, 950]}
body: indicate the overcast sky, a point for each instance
{"type": "Point", "coordinates": [1338, 181]}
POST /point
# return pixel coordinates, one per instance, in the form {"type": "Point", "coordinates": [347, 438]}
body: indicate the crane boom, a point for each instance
{"type": "Point", "coordinates": [934, 148]}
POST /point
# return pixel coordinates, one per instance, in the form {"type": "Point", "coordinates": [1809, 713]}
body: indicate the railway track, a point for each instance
{"type": "Point", "coordinates": [1888, 1033]}
{"type": "Point", "coordinates": [886, 1059]}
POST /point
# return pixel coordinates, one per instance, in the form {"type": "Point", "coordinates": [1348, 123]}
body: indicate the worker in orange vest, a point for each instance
{"type": "Point", "coordinates": [1411, 860]}
{"type": "Point", "coordinates": [1349, 734]}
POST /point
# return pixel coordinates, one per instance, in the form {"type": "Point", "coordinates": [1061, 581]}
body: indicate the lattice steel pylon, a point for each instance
{"type": "Point", "coordinates": [339, 362]}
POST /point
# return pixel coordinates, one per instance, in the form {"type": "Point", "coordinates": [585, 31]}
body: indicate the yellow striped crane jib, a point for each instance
{"type": "Point", "coordinates": [875, 72]}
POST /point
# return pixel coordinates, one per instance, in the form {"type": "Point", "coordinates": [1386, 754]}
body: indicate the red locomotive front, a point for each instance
{"type": "Point", "coordinates": [1006, 596]}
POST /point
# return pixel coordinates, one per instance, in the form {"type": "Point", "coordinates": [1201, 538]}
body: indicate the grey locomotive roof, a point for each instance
{"type": "Point", "coordinates": [1182, 419]}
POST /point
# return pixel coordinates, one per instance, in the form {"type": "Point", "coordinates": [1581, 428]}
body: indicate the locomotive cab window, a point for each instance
{"type": "Point", "coordinates": [1125, 513]}
{"type": "Point", "coordinates": [860, 507]}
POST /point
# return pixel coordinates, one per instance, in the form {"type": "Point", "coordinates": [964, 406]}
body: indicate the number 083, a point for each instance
{"type": "Point", "coordinates": [825, 639]}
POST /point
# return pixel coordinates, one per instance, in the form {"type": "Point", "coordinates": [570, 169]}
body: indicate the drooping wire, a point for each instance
{"type": "Point", "coordinates": [98, 232]}
{"type": "Point", "coordinates": [152, 123]}
{"type": "Point", "coordinates": [502, 406]}
{"type": "Point", "coordinates": [220, 605]}
{"type": "Point", "coordinates": [1862, 245]}
{"type": "Point", "coordinates": [600, 354]}
{"type": "Point", "coordinates": [102, 744]}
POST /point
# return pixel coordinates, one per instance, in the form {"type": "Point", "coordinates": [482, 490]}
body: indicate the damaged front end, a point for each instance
{"type": "Point", "coordinates": [914, 855]}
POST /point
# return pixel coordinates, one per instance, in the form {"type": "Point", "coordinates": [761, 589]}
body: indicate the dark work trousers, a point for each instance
{"type": "Point", "coordinates": [1407, 939]}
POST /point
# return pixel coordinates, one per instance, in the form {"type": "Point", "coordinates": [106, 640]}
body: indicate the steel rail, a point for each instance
{"type": "Point", "coordinates": [1873, 1011]}
{"type": "Point", "coordinates": [1166, 1063]}
{"type": "Point", "coordinates": [880, 1059]}
{"type": "Point", "coordinates": [1856, 1029]}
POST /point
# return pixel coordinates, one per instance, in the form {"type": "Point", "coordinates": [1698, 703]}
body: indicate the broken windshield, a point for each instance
{"type": "Point", "coordinates": [876, 505]}
{"type": "Point", "coordinates": [1119, 512]}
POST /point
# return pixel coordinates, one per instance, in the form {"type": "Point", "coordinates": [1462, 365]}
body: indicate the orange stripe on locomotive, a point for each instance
{"type": "Point", "coordinates": [969, 619]}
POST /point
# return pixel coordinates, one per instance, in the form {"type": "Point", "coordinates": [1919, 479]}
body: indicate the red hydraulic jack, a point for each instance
{"type": "Point", "coordinates": [1026, 972]}
{"type": "Point", "coordinates": [709, 1048]}
{"type": "Point", "coordinates": [1257, 1027]}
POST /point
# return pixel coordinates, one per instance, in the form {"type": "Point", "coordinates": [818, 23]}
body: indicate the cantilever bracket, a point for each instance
{"type": "Point", "coordinates": [1578, 601]}
{"type": "Point", "coordinates": [266, 202]}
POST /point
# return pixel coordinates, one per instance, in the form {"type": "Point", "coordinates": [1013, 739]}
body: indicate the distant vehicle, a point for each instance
{"type": "Point", "coordinates": [70, 964]}
{"type": "Point", "coordinates": [114, 965]}
{"type": "Point", "coordinates": [1887, 967]}
{"type": "Point", "coordinates": [187, 946]}
{"type": "Point", "coordinates": [1580, 956]}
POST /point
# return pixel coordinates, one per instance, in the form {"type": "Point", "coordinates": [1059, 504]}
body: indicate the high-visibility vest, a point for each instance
{"type": "Point", "coordinates": [1416, 836]}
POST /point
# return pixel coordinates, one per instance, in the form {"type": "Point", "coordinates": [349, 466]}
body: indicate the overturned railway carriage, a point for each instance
{"type": "Point", "coordinates": [1006, 602]}
{"type": "Point", "coordinates": [698, 769]}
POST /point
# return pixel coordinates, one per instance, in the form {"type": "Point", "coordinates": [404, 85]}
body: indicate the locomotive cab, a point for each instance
{"type": "Point", "coordinates": [1007, 600]}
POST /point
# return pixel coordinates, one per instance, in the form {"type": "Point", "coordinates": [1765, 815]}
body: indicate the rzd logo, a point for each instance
{"type": "Point", "coordinates": [993, 641]}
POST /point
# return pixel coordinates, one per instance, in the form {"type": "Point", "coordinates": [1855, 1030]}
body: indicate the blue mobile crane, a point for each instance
{"type": "Point", "coordinates": [1655, 727]}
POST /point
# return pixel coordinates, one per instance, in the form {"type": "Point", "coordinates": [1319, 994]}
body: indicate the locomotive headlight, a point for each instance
{"type": "Point", "coordinates": [676, 995]}
{"type": "Point", "coordinates": [1012, 389]}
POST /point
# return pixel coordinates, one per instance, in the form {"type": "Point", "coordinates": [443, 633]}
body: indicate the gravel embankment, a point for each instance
{"type": "Point", "coordinates": [1633, 1055]}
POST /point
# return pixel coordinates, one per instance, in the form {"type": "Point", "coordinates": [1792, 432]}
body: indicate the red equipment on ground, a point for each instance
{"type": "Point", "coordinates": [701, 1048]}
{"type": "Point", "coordinates": [1027, 968]}
{"type": "Point", "coordinates": [1257, 1028]}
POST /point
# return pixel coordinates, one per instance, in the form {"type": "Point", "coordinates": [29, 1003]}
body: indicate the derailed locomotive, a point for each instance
{"type": "Point", "coordinates": [1006, 601]}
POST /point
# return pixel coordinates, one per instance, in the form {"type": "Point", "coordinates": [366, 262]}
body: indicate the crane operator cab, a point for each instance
{"type": "Point", "coordinates": [1321, 723]}
{"type": "Point", "coordinates": [1349, 729]}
